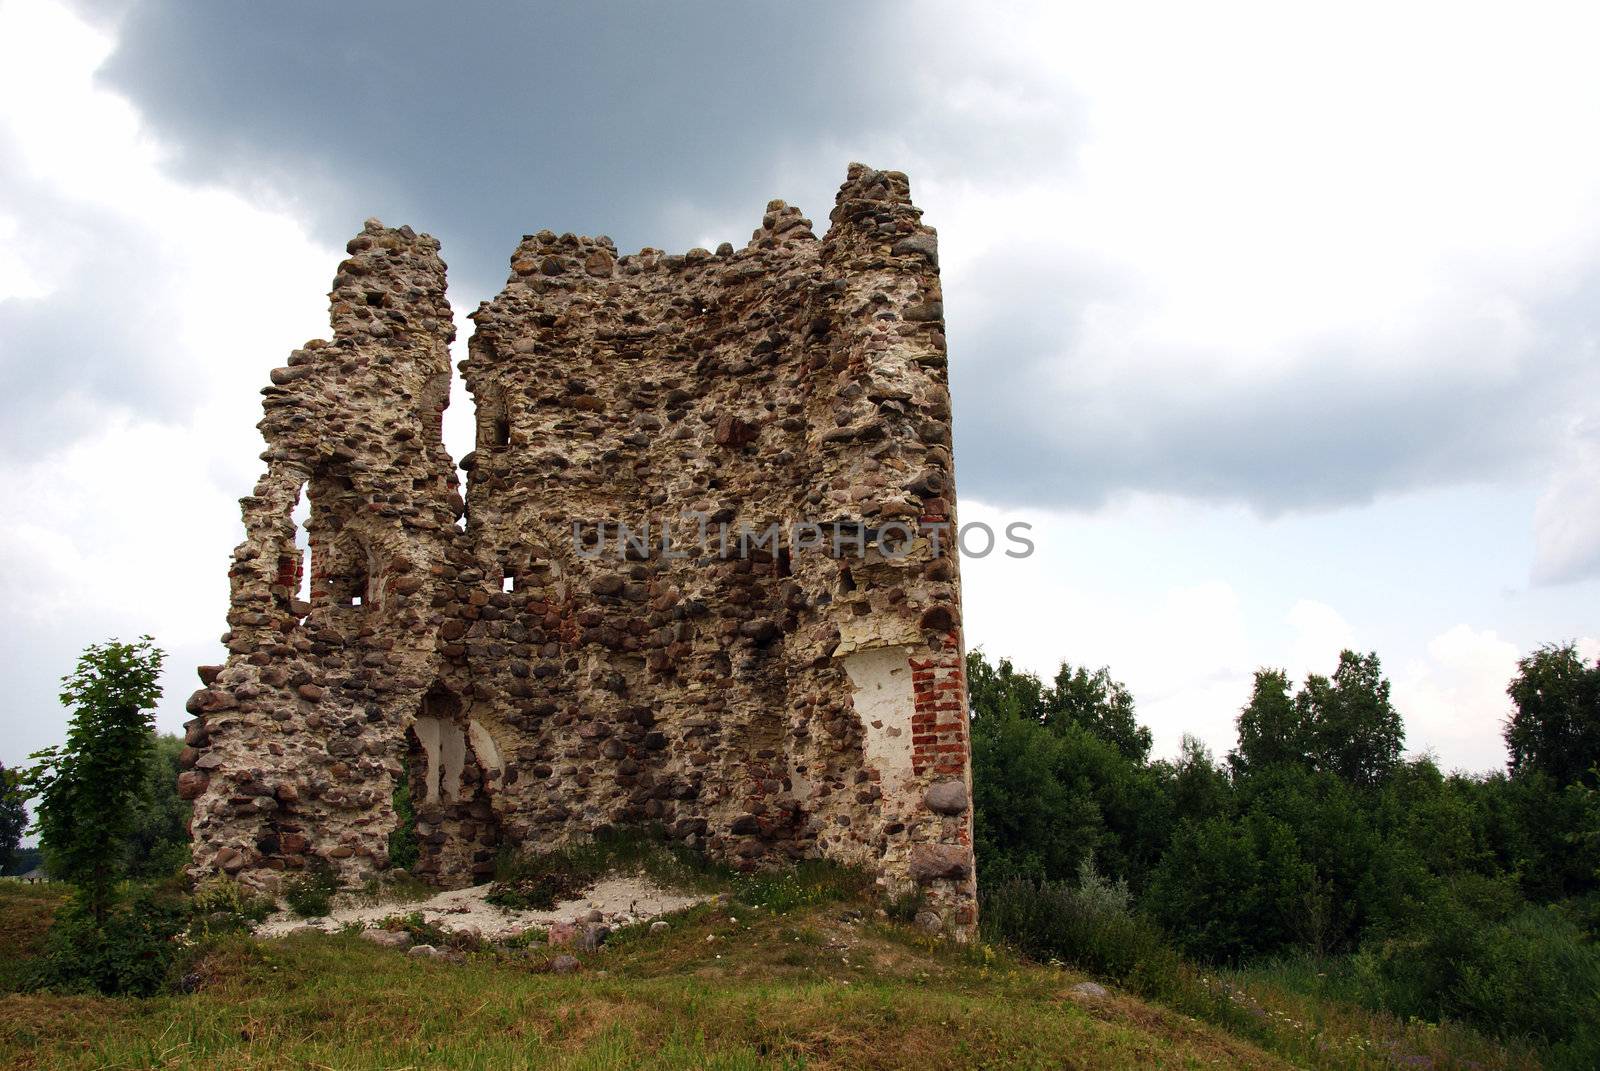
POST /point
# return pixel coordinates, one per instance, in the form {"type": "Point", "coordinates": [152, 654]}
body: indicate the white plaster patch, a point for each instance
{"type": "Point", "coordinates": [884, 701]}
{"type": "Point", "coordinates": [484, 747]}
{"type": "Point", "coordinates": [453, 759]}
{"type": "Point", "coordinates": [427, 730]}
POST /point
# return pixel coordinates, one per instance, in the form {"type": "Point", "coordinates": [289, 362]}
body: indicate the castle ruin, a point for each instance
{"type": "Point", "coordinates": [703, 576]}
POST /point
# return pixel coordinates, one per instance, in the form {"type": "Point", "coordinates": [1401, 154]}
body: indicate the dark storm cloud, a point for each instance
{"type": "Point", "coordinates": [93, 338]}
{"type": "Point", "coordinates": [478, 122]}
{"type": "Point", "coordinates": [662, 124]}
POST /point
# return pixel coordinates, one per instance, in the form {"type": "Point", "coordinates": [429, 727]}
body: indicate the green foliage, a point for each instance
{"type": "Point", "coordinates": [403, 849]}
{"type": "Point", "coordinates": [223, 906]}
{"type": "Point", "coordinates": [13, 820]}
{"type": "Point", "coordinates": [905, 907]}
{"type": "Point", "coordinates": [158, 842]}
{"type": "Point", "coordinates": [129, 949]}
{"type": "Point", "coordinates": [1028, 821]}
{"type": "Point", "coordinates": [1100, 705]}
{"type": "Point", "coordinates": [1317, 840]}
{"type": "Point", "coordinates": [1194, 784]}
{"type": "Point", "coordinates": [88, 790]}
{"type": "Point", "coordinates": [1001, 690]}
{"type": "Point", "coordinates": [309, 894]}
{"type": "Point", "coordinates": [806, 884]}
{"type": "Point", "coordinates": [419, 929]}
{"type": "Point", "coordinates": [1270, 733]}
{"type": "Point", "coordinates": [27, 859]}
{"type": "Point", "coordinates": [1356, 733]}
{"type": "Point", "coordinates": [537, 892]}
{"type": "Point", "coordinates": [1089, 925]}
{"type": "Point", "coordinates": [1344, 725]}
{"type": "Point", "coordinates": [1555, 729]}
{"type": "Point", "coordinates": [1529, 974]}
{"type": "Point", "coordinates": [1231, 890]}
{"type": "Point", "coordinates": [541, 879]}
{"type": "Point", "coordinates": [1050, 790]}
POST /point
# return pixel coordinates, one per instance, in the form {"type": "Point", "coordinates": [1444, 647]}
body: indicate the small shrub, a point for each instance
{"type": "Point", "coordinates": [403, 849]}
{"type": "Point", "coordinates": [221, 905]}
{"type": "Point", "coordinates": [310, 894]}
{"type": "Point", "coordinates": [540, 880]}
{"type": "Point", "coordinates": [537, 893]}
{"type": "Point", "coordinates": [1088, 925]}
{"type": "Point", "coordinates": [423, 932]}
{"type": "Point", "coordinates": [1531, 976]}
{"type": "Point", "coordinates": [419, 929]}
{"type": "Point", "coordinates": [906, 906]}
{"type": "Point", "coordinates": [130, 952]}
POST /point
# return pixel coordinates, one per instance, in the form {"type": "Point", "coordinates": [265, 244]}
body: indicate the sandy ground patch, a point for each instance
{"type": "Point", "coordinates": [620, 901]}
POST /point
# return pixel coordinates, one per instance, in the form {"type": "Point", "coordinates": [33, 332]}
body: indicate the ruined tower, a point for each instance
{"type": "Point", "coordinates": [704, 575]}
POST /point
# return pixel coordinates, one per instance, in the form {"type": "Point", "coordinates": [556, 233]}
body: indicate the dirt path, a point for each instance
{"type": "Point", "coordinates": [619, 900]}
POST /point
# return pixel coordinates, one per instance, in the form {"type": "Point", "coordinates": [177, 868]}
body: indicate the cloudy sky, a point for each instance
{"type": "Point", "coordinates": [1282, 329]}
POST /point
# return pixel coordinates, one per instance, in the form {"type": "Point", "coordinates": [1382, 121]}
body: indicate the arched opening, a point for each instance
{"type": "Point", "coordinates": [287, 562]}
{"type": "Point", "coordinates": [455, 768]}
{"type": "Point", "coordinates": [348, 575]}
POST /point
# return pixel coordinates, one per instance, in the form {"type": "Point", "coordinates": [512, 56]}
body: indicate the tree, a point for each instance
{"type": "Point", "coordinates": [158, 844]}
{"type": "Point", "coordinates": [1099, 704]}
{"type": "Point", "coordinates": [1269, 727]}
{"type": "Point", "coordinates": [1002, 689]}
{"type": "Point", "coordinates": [13, 820]}
{"type": "Point", "coordinates": [1196, 785]}
{"type": "Point", "coordinates": [1355, 731]}
{"type": "Point", "coordinates": [1052, 784]}
{"type": "Point", "coordinates": [1228, 890]}
{"type": "Point", "coordinates": [1556, 726]}
{"type": "Point", "coordinates": [1344, 725]}
{"type": "Point", "coordinates": [88, 789]}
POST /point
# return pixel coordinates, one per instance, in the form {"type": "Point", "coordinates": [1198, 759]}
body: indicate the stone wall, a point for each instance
{"type": "Point", "coordinates": [537, 672]}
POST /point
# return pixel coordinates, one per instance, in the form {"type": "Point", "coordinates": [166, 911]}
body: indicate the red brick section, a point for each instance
{"type": "Point", "coordinates": [939, 722]}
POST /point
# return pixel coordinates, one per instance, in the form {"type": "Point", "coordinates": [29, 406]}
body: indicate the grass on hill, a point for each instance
{"type": "Point", "coordinates": [793, 970]}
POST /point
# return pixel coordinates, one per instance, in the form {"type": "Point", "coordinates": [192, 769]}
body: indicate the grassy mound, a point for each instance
{"type": "Point", "coordinates": [794, 970]}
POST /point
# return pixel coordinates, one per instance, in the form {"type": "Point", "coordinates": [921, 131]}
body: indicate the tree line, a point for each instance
{"type": "Point", "coordinates": [1469, 895]}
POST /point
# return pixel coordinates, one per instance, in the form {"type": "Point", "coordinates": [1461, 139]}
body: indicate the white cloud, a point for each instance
{"type": "Point", "coordinates": [1567, 519]}
{"type": "Point", "coordinates": [1454, 700]}
{"type": "Point", "coordinates": [128, 527]}
{"type": "Point", "coordinates": [1318, 633]}
{"type": "Point", "coordinates": [1182, 649]}
{"type": "Point", "coordinates": [1349, 239]}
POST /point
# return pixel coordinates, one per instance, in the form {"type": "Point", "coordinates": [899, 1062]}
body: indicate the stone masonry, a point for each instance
{"type": "Point", "coordinates": [703, 576]}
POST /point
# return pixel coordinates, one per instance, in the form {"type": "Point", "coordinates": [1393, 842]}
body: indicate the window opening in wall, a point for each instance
{"type": "Point", "coordinates": [348, 575]}
{"type": "Point", "coordinates": [301, 516]}
{"type": "Point", "coordinates": [508, 583]}
{"type": "Point", "coordinates": [502, 432]}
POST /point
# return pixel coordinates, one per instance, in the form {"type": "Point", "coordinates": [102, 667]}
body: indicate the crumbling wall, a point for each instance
{"type": "Point", "coordinates": [539, 675]}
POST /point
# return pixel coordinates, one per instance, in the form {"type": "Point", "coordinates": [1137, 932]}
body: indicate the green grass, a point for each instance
{"type": "Point", "coordinates": [728, 985]}
{"type": "Point", "coordinates": [791, 971]}
{"type": "Point", "coordinates": [25, 914]}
